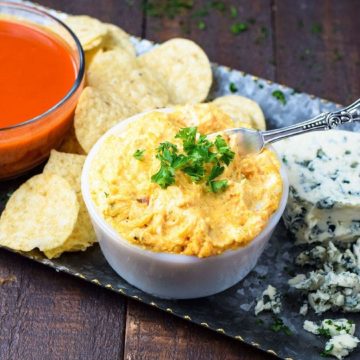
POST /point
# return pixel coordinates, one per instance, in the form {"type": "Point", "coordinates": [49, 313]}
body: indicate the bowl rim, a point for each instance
{"type": "Point", "coordinates": [164, 256]}
{"type": "Point", "coordinates": [79, 73]}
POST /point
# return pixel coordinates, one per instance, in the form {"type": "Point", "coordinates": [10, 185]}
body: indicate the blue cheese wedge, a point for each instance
{"type": "Point", "coordinates": [269, 301]}
{"type": "Point", "coordinates": [334, 284]}
{"type": "Point", "coordinates": [324, 178]}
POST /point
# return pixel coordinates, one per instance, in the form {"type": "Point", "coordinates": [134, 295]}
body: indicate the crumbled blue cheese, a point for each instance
{"type": "Point", "coordinates": [324, 177]}
{"type": "Point", "coordinates": [341, 345]}
{"type": "Point", "coordinates": [330, 327]}
{"type": "Point", "coordinates": [335, 282]}
{"type": "Point", "coordinates": [304, 309]}
{"type": "Point", "coordinates": [339, 331]}
{"type": "Point", "coordinates": [269, 301]}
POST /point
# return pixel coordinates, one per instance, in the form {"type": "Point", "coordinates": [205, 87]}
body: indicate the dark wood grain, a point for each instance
{"type": "Point", "coordinates": [154, 335]}
{"type": "Point", "coordinates": [46, 315]}
{"type": "Point", "coordinates": [318, 46]}
{"type": "Point", "coordinates": [250, 51]}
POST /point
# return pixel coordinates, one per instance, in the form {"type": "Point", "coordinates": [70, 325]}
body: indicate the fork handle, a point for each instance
{"type": "Point", "coordinates": [324, 121]}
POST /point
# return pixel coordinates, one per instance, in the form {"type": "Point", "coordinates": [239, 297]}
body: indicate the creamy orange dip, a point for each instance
{"type": "Point", "coordinates": [185, 218]}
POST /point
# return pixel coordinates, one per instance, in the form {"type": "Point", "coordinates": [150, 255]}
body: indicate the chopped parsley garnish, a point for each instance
{"type": "Point", "coordinates": [279, 95]}
{"type": "Point", "coordinates": [233, 88]}
{"type": "Point", "coordinates": [199, 160]}
{"type": "Point", "coordinates": [279, 325]}
{"type": "Point", "coordinates": [106, 194]}
{"type": "Point", "coordinates": [239, 28]}
{"type": "Point", "coordinates": [139, 154]}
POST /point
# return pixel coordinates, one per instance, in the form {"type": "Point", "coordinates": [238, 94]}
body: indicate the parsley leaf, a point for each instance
{"type": "Point", "coordinates": [188, 136]}
{"type": "Point", "coordinates": [164, 177]}
{"type": "Point", "coordinates": [238, 28]}
{"type": "Point", "coordinates": [233, 11]}
{"type": "Point", "coordinates": [279, 95]}
{"type": "Point", "coordinates": [201, 25]}
{"type": "Point", "coordinates": [327, 351]}
{"type": "Point", "coordinates": [233, 88]}
{"type": "Point", "coordinates": [139, 154]}
{"type": "Point", "coordinates": [279, 325]}
{"type": "Point", "coordinates": [218, 185]}
{"type": "Point", "coordinates": [226, 154]}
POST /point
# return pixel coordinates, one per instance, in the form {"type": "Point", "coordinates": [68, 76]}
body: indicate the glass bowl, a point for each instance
{"type": "Point", "coordinates": [25, 145]}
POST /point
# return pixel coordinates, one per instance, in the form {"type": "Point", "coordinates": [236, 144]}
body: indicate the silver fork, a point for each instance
{"type": "Point", "coordinates": [252, 141]}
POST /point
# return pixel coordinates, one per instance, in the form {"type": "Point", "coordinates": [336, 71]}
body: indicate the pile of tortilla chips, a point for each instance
{"type": "Point", "coordinates": [47, 212]}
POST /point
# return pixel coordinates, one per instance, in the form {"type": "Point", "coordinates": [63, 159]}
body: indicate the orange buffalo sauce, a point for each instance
{"type": "Point", "coordinates": [37, 70]}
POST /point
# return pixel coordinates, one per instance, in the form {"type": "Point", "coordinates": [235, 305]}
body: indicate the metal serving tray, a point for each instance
{"type": "Point", "coordinates": [231, 312]}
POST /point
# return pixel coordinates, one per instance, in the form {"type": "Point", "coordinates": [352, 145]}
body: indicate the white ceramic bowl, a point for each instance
{"type": "Point", "coordinates": [174, 276]}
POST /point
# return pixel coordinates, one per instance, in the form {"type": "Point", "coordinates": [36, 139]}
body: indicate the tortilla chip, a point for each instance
{"type": "Point", "coordinates": [95, 113]}
{"type": "Point", "coordinates": [90, 55]}
{"type": "Point", "coordinates": [117, 73]}
{"type": "Point", "coordinates": [41, 213]}
{"type": "Point", "coordinates": [109, 68]}
{"type": "Point", "coordinates": [70, 143]}
{"type": "Point", "coordinates": [242, 109]}
{"type": "Point", "coordinates": [183, 68]}
{"type": "Point", "coordinates": [116, 38]}
{"type": "Point", "coordinates": [89, 31]}
{"type": "Point", "coordinates": [69, 166]}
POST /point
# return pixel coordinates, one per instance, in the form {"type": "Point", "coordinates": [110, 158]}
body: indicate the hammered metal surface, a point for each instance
{"type": "Point", "coordinates": [230, 312]}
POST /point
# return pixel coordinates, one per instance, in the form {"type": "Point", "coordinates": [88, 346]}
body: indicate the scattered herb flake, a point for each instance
{"type": "Point", "coordinates": [201, 25]}
{"type": "Point", "coordinates": [251, 21]}
{"type": "Point", "coordinates": [324, 332]}
{"type": "Point", "coordinates": [263, 35]}
{"type": "Point", "coordinates": [316, 28]}
{"type": "Point", "coordinates": [169, 9]}
{"type": "Point", "coordinates": [139, 154]}
{"type": "Point", "coordinates": [338, 56]}
{"type": "Point", "coordinates": [300, 24]}
{"type": "Point", "coordinates": [218, 5]}
{"type": "Point", "coordinates": [279, 95]}
{"type": "Point", "coordinates": [279, 325]}
{"type": "Point", "coordinates": [200, 13]}
{"type": "Point", "coordinates": [106, 194]}
{"type": "Point", "coordinates": [327, 352]}
{"type": "Point", "coordinates": [233, 11]}
{"type": "Point", "coordinates": [259, 321]}
{"type": "Point", "coordinates": [233, 87]}
{"type": "Point", "coordinates": [238, 28]}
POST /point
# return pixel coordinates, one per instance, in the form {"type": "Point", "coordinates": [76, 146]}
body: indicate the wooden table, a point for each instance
{"type": "Point", "coordinates": [310, 45]}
